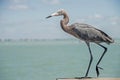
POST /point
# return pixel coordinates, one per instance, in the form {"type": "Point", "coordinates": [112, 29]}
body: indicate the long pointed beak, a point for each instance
{"type": "Point", "coordinates": [54, 14]}
{"type": "Point", "coordinates": [48, 17]}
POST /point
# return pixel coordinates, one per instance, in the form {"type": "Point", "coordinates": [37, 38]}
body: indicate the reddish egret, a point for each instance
{"type": "Point", "coordinates": [86, 33]}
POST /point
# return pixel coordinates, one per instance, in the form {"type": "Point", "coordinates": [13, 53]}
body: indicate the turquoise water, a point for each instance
{"type": "Point", "coordinates": [48, 60]}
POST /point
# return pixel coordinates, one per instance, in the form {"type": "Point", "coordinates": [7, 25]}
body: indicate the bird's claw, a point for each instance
{"type": "Point", "coordinates": [97, 70]}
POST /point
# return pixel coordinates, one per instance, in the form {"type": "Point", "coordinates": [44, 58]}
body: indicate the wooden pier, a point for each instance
{"type": "Point", "coordinates": [89, 79]}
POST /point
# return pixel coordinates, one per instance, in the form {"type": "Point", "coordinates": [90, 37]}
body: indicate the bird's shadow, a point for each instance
{"type": "Point", "coordinates": [83, 77]}
{"type": "Point", "coordinates": [76, 78]}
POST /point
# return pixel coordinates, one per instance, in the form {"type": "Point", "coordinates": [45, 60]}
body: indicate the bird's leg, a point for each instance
{"type": "Point", "coordinates": [91, 59]}
{"type": "Point", "coordinates": [97, 67]}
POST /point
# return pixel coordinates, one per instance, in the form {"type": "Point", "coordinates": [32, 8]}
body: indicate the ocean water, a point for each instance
{"type": "Point", "coordinates": [51, 59]}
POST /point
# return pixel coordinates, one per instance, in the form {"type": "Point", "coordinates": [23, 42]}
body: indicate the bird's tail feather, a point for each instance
{"type": "Point", "coordinates": [109, 40]}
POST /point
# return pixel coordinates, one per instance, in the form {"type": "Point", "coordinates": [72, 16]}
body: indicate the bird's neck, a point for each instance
{"type": "Point", "coordinates": [64, 21]}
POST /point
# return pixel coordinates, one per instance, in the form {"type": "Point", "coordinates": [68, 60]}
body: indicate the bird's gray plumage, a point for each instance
{"type": "Point", "coordinates": [88, 33]}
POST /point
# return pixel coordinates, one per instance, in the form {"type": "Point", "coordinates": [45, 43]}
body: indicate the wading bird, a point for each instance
{"type": "Point", "coordinates": [86, 33]}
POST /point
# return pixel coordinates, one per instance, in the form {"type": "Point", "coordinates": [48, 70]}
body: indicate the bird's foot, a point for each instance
{"type": "Point", "coordinates": [83, 77]}
{"type": "Point", "coordinates": [97, 70]}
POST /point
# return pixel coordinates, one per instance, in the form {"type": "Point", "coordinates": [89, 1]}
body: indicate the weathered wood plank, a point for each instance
{"type": "Point", "coordinates": [89, 79]}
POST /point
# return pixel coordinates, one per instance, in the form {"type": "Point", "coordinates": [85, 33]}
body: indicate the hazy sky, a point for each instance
{"type": "Point", "coordinates": [26, 18]}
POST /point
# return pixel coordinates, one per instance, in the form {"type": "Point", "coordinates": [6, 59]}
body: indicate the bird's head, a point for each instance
{"type": "Point", "coordinates": [58, 13]}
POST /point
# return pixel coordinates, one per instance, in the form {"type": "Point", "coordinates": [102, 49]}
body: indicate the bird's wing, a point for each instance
{"type": "Point", "coordinates": [88, 33]}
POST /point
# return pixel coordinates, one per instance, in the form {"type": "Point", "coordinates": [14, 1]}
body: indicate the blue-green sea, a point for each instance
{"type": "Point", "coordinates": [51, 59]}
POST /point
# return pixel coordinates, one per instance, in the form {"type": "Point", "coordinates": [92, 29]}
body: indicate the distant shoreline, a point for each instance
{"type": "Point", "coordinates": [32, 40]}
{"type": "Point", "coordinates": [28, 40]}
